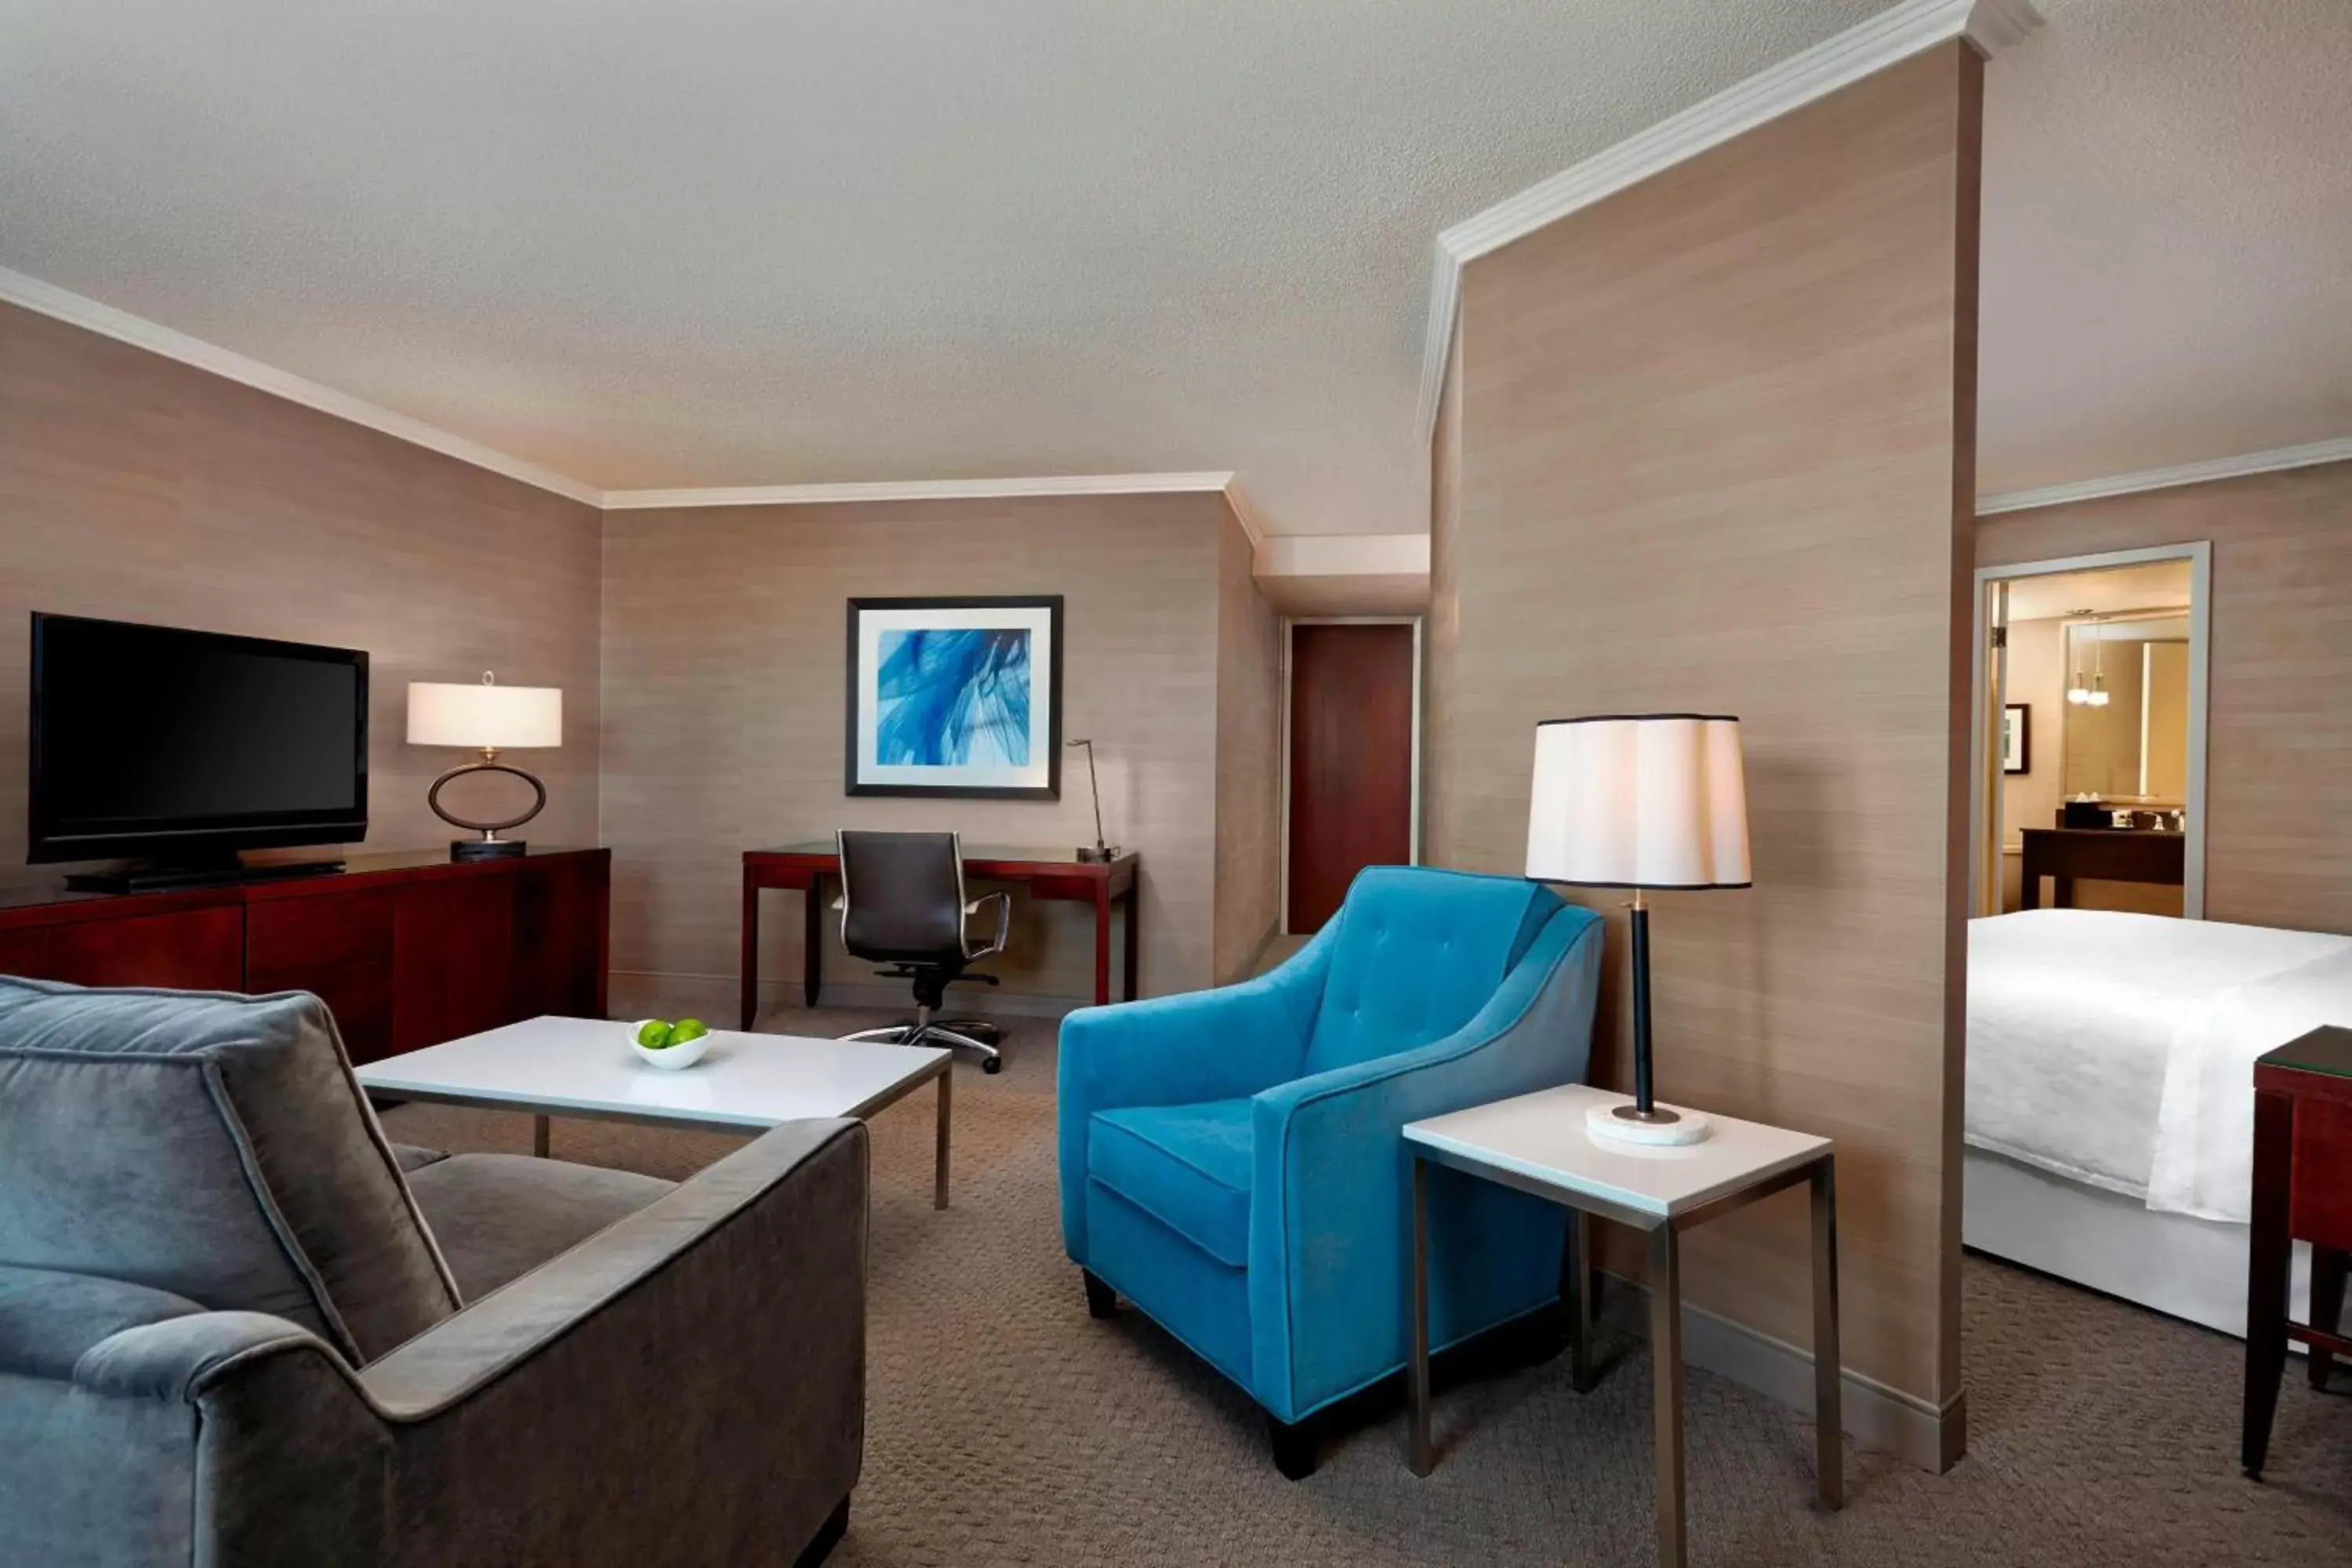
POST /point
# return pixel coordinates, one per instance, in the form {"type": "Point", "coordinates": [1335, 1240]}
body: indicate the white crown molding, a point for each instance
{"type": "Point", "coordinates": [1244, 515]}
{"type": "Point", "coordinates": [923, 490]}
{"type": "Point", "coordinates": [2271, 462]}
{"type": "Point", "coordinates": [48, 300]}
{"type": "Point", "coordinates": [1890, 36]}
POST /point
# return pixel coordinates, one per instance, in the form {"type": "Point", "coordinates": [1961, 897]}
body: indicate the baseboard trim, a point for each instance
{"type": "Point", "coordinates": [1931, 1436]}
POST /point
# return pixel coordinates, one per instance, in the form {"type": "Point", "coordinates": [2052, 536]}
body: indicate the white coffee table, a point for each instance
{"type": "Point", "coordinates": [744, 1083]}
{"type": "Point", "coordinates": [1538, 1143]}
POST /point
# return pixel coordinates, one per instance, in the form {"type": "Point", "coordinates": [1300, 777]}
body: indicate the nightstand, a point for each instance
{"type": "Point", "coordinates": [2303, 1192]}
{"type": "Point", "coordinates": [1538, 1143]}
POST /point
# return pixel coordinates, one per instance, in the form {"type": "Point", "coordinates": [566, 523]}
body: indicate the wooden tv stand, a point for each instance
{"type": "Point", "coordinates": [407, 949]}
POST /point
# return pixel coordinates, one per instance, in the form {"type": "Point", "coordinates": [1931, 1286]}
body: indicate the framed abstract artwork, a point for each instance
{"type": "Point", "coordinates": [2017, 739]}
{"type": "Point", "coordinates": [956, 696]}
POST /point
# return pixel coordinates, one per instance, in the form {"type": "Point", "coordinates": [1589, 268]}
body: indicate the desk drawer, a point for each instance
{"type": "Point", "coordinates": [288, 934]}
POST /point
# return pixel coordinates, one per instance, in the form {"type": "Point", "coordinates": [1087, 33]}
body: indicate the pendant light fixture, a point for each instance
{"type": "Point", "coordinates": [2078, 690]}
{"type": "Point", "coordinates": [2098, 696]}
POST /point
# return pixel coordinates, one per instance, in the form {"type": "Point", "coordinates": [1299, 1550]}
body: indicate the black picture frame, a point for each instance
{"type": "Point", "coordinates": [2023, 762]}
{"type": "Point", "coordinates": [1051, 790]}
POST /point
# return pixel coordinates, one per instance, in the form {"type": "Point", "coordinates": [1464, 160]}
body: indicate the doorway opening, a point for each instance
{"type": "Point", "coordinates": [2089, 778]}
{"type": "Point", "coordinates": [1352, 758]}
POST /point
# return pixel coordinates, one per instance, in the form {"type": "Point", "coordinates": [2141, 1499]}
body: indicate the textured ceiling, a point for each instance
{"type": "Point", "coordinates": [708, 244]}
{"type": "Point", "coordinates": [2167, 265]}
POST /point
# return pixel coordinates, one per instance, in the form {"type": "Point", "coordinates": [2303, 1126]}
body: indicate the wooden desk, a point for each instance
{"type": "Point", "coordinates": [2303, 1192]}
{"type": "Point", "coordinates": [2103, 854]}
{"type": "Point", "coordinates": [1046, 873]}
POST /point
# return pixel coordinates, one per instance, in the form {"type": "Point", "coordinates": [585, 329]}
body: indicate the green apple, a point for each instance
{"type": "Point", "coordinates": [686, 1029]}
{"type": "Point", "coordinates": [655, 1035]}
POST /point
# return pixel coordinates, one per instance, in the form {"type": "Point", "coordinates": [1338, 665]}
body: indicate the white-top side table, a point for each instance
{"type": "Point", "coordinates": [1538, 1143]}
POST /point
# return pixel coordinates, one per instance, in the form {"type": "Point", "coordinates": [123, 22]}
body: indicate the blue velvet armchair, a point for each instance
{"type": "Point", "coordinates": [1231, 1160]}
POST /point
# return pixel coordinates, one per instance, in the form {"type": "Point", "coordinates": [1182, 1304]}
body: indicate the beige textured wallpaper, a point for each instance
{"type": "Point", "coordinates": [136, 488]}
{"type": "Point", "coordinates": [1249, 762]}
{"type": "Point", "coordinates": [2278, 841]}
{"type": "Point", "coordinates": [1714, 436]}
{"type": "Point", "coordinates": [724, 675]}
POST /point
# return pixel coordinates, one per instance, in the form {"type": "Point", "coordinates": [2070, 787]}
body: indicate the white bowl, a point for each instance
{"type": "Point", "coordinates": [670, 1058]}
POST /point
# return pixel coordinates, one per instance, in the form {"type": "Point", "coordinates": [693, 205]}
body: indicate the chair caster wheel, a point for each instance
{"type": "Point", "coordinates": [993, 1065]}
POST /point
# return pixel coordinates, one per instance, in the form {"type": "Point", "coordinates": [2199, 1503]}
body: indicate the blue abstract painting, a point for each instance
{"type": "Point", "coordinates": [953, 699]}
{"type": "Point", "coordinates": [956, 696]}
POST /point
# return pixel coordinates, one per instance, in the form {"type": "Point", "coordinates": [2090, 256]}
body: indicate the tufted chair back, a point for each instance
{"type": "Point", "coordinates": [1417, 952]}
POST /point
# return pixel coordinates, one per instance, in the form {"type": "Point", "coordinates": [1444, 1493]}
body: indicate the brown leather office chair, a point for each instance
{"type": "Point", "coordinates": [902, 903]}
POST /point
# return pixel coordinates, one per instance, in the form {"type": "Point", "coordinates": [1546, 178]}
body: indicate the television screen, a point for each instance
{"type": "Point", "coordinates": [149, 740]}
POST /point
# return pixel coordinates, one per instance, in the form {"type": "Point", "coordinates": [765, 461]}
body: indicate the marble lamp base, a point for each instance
{"type": "Point", "coordinates": [1687, 1126]}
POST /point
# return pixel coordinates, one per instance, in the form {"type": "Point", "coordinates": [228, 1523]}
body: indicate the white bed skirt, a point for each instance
{"type": "Point", "coordinates": [2188, 1268]}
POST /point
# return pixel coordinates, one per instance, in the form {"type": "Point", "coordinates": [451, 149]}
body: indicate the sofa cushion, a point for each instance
{"type": "Point", "coordinates": [498, 1216]}
{"type": "Point", "coordinates": [1417, 954]}
{"type": "Point", "coordinates": [410, 1156]}
{"type": "Point", "coordinates": [211, 1146]}
{"type": "Point", "coordinates": [1186, 1165]}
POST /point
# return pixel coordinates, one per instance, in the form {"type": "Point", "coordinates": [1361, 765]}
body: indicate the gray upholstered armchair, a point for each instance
{"type": "Point", "coordinates": [232, 1331]}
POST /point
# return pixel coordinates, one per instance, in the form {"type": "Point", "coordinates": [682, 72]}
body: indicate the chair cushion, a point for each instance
{"type": "Point", "coordinates": [1186, 1165]}
{"type": "Point", "coordinates": [211, 1146]}
{"type": "Point", "coordinates": [1418, 952]}
{"type": "Point", "coordinates": [498, 1216]}
{"type": "Point", "coordinates": [410, 1156]}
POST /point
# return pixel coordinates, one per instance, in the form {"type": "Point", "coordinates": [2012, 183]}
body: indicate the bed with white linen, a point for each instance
{"type": "Point", "coordinates": [2110, 1094]}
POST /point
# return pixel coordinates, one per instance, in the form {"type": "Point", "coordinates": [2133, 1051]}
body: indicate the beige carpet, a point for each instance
{"type": "Point", "coordinates": [1008, 1428]}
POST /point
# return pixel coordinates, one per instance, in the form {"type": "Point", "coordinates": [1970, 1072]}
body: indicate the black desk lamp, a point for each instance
{"type": "Point", "coordinates": [1100, 851]}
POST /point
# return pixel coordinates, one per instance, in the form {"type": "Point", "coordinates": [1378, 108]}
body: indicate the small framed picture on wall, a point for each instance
{"type": "Point", "coordinates": [956, 696]}
{"type": "Point", "coordinates": [2017, 738]}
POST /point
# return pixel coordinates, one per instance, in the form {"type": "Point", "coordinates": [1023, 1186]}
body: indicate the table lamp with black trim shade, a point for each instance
{"type": "Point", "coordinates": [1642, 801]}
{"type": "Point", "coordinates": [490, 719]}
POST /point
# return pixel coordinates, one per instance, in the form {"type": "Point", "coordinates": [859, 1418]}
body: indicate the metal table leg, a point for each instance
{"type": "Point", "coordinates": [1423, 1457]}
{"type": "Point", "coordinates": [1576, 1300]}
{"type": "Point", "coordinates": [940, 1177]}
{"type": "Point", "coordinates": [539, 1136]}
{"type": "Point", "coordinates": [1829, 1422]}
{"type": "Point", "coordinates": [1666, 1388]}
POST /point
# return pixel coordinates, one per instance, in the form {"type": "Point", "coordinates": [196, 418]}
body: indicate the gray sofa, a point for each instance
{"type": "Point", "coordinates": [239, 1327]}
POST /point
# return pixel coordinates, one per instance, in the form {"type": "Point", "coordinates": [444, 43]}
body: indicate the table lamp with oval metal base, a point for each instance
{"type": "Point", "coordinates": [490, 719]}
{"type": "Point", "coordinates": [1645, 801]}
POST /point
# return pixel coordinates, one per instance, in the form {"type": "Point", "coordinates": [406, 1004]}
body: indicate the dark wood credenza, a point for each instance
{"type": "Point", "coordinates": [407, 949]}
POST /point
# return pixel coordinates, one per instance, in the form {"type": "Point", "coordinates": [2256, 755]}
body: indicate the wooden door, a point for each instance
{"type": "Point", "coordinates": [1352, 761]}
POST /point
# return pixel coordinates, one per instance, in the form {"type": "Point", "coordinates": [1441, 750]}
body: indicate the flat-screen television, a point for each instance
{"type": "Point", "coordinates": [186, 746]}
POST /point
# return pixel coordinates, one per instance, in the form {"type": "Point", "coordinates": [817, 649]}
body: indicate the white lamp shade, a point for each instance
{"type": "Point", "coordinates": [1653, 800]}
{"type": "Point", "coordinates": [444, 713]}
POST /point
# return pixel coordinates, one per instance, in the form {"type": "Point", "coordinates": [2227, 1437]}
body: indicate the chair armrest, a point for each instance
{"type": "Point", "coordinates": [702, 1359]}
{"type": "Point", "coordinates": [49, 1319]}
{"type": "Point", "coordinates": [1181, 1051]}
{"type": "Point", "coordinates": [626, 1264]}
{"type": "Point", "coordinates": [1332, 1181]}
{"type": "Point", "coordinates": [1003, 902]}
